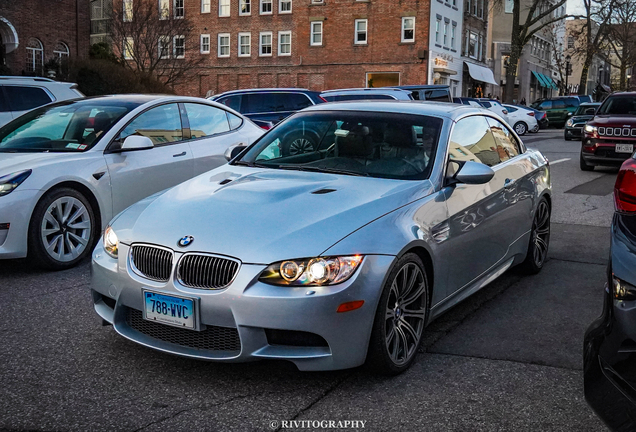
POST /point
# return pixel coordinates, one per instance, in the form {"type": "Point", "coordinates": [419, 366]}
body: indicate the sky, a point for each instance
{"type": "Point", "coordinates": [575, 7]}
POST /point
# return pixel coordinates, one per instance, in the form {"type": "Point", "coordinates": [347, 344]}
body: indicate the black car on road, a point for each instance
{"type": "Point", "coordinates": [575, 124]}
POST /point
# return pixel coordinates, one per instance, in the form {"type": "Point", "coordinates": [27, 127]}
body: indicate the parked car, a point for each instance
{"type": "Point", "coordinates": [575, 124]}
{"type": "Point", "coordinates": [67, 168]}
{"type": "Point", "coordinates": [269, 105]}
{"type": "Point", "coordinates": [465, 100]}
{"type": "Point", "coordinates": [383, 93]}
{"type": "Point", "coordinates": [332, 258]}
{"type": "Point", "coordinates": [522, 119]}
{"type": "Point", "coordinates": [20, 94]}
{"type": "Point", "coordinates": [490, 104]}
{"type": "Point", "coordinates": [609, 350]}
{"type": "Point", "coordinates": [540, 116]}
{"type": "Point", "coordinates": [558, 109]}
{"type": "Point", "coordinates": [610, 136]}
{"type": "Point", "coordinates": [433, 92]}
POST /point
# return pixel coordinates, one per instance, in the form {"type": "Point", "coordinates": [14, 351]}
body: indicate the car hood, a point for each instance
{"type": "Point", "coordinates": [614, 120]}
{"type": "Point", "coordinates": [13, 162]}
{"type": "Point", "coordinates": [263, 215]}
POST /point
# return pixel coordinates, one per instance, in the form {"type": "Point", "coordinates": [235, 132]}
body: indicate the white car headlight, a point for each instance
{"type": "Point", "coordinates": [111, 242]}
{"type": "Point", "coordinates": [12, 181]}
{"type": "Point", "coordinates": [569, 123]}
{"type": "Point", "coordinates": [590, 129]}
{"type": "Point", "coordinates": [312, 271]}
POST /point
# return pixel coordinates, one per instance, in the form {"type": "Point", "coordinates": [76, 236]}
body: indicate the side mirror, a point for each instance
{"type": "Point", "coordinates": [136, 142]}
{"type": "Point", "coordinates": [474, 173]}
{"type": "Point", "coordinates": [590, 111]}
{"type": "Point", "coordinates": [234, 150]}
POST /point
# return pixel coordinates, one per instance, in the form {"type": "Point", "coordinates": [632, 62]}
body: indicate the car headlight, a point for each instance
{"type": "Point", "coordinates": [569, 123]}
{"type": "Point", "coordinates": [12, 181]}
{"type": "Point", "coordinates": [622, 290]}
{"type": "Point", "coordinates": [111, 242]}
{"type": "Point", "coordinates": [590, 129]}
{"type": "Point", "coordinates": [311, 271]}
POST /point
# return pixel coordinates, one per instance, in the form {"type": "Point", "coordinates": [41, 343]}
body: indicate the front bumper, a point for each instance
{"type": "Point", "coordinates": [15, 210]}
{"type": "Point", "coordinates": [574, 132]}
{"type": "Point", "coordinates": [249, 310]}
{"type": "Point", "coordinates": [609, 343]}
{"type": "Point", "coordinates": [602, 152]}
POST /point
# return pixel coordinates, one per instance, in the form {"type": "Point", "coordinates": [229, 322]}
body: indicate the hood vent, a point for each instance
{"type": "Point", "coordinates": [323, 191]}
{"type": "Point", "coordinates": [226, 181]}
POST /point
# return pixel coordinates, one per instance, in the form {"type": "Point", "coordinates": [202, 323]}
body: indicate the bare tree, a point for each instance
{"type": "Point", "coordinates": [621, 38]}
{"type": "Point", "coordinates": [539, 14]}
{"type": "Point", "coordinates": [154, 41]}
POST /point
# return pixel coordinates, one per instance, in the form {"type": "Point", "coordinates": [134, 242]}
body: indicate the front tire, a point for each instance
{"type": "Point", "coordinates": [400, 317]}
{"type": "Point", "coordinates": [584, 166]}
{"type": "Point", "coordinates": [62, 230]}
{"type": "Point", "coordinates": [539, 240]}
{"type": "Point", "coordinates": [521, 128]}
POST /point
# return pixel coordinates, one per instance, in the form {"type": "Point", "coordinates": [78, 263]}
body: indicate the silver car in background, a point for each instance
{"type": "Point", "coordinates": [334, 257]}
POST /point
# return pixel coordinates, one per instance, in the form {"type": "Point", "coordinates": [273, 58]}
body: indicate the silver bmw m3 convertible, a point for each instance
{"type": "Point", "coordinates": [331, 254]}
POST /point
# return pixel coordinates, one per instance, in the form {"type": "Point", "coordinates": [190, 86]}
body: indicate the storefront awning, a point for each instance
{"type": "Point", "coordinates": [541, 79]}
{"type": "Point", "coordinates": [550, 82]}
{"type": "Point", "coordinates": [481, 73]}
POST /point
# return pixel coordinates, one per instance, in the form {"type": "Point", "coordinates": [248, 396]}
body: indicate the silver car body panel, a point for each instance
{"type": "Point", "coordinates": [470, 234]}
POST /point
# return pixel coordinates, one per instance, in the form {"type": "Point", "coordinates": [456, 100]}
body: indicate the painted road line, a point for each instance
{"type": "Point", "coordinates": [559, 161]}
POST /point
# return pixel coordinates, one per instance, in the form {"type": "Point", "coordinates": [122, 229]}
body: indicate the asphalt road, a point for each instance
{"type": "Point", "coordinates": [508, 358]}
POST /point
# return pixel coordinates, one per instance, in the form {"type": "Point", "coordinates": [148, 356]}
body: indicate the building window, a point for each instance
{"type": "Point", "coordinates": [284, 6]}
{"type": "Point", "coordinates": [205, 6]}
{"type": "Point", "coordinates": [265, 44]}
{"type": "Point", "coordinates": [205, 44]}
{"type": "Point", "coordinates": [164, 47]}
{"type": "Point", "coordinates": [129, 48]}
{"type": "Point", "coordinates": [445, 34]}
{"type": "Point", "coordinates": [179, 9]}
{"type": "Point", "coordinates": [453, 30]}
{"type": "Point", "coordinates": [480, 12]}
{"type": "Point", "coordinates": [127, 6]}
{"type": "Point", "coordinates": [164, 9]}
{"type": "Point", "coordinates": [361, 32]}
{"type": "Point", "coordinates": [509, 6]}
{"type": "Point", "coordinates": [224, 45]}
{"type": "Point", "coordinates": [408, 29]}
{"type": "Point", "coordinates": [266, 7]}
{"type": "Point", "coordinates": [284, 43]}
{"type": "Point", "coordinates": [62, 52]}
{"type": "Point", "coordinates": [570, 42]}
{"type": "Point", "coordinates": [245, 7]}
{"type": "Point", "coordinates": [245, 44]}
{"type": "Point", "coordinates": [438, 22]}
{"type": "Point", "coordinates": [35, 56]}
{"type": "Point", "coordinates": [178, 44]}
{"type": "Point", "coordinates": [480, 49]}
{"type": "Point", "coordinates": [472, 46]}
{"type": "Point", "coordinates": [224, 8]}
{"type": "Point", "coordinates": [316, 33]}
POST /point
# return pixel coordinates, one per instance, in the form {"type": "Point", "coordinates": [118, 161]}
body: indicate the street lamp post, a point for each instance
{"type": "Point", "coordinates": [567, 73]}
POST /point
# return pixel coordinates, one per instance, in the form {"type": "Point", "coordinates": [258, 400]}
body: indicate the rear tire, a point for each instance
{"type": "Point", "coordinates": [584, 165]}
{"type": "Point", "coordinates": [400, 317]}
{"type": "Point", "coordinates": [62, 230]}
{"type": "Point", "coordinates": [521, 128]}
{"type": "Point", "coordinates": [539, 240]}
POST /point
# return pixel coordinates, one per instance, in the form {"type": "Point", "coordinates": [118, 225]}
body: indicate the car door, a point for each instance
{"type": "Point", "coordinates": [479, 217]}
{"type": "Point", "coordinates": [558, 111]}
{"type": "Point", "coordinates": [137, 174]}
{"type": "Point", "coordinates": [211, 135]}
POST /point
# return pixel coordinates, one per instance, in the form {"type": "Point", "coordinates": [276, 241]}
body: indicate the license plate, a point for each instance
{"type": "Point", "coordinates": [624, 148]}
{"type": "Point", "coordinates": [167, 309]}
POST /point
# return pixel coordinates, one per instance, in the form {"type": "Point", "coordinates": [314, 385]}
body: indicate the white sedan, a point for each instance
{"type": "Point", "coordinates": [522, 119]}
{"type": "Point", "coordinates": [66, 169]}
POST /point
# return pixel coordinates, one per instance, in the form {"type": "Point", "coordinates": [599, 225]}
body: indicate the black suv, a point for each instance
{"type": "Point", "coordinates": [434, 93]}
{"type": "Point", "coordinates": [268, 105]}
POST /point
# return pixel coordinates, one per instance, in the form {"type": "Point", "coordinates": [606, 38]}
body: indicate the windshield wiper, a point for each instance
{"type": "Point", "coordinates": [251, 164]}
{"type": "Point", "coordinates": [325, 170]}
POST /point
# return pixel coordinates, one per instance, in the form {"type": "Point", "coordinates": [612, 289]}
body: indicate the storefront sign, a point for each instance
{"type": "Point", "coordinates": [440, 62]}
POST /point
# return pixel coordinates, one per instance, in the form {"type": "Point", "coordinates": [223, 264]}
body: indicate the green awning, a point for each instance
{"type": "Point", "coordinates": [541, 79]}
{"type": "Point", "coordinates": [551, 82]}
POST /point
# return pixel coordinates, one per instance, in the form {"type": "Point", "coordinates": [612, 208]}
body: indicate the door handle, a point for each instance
{"type": "Point", "coordinates": [180, 154]}
{"type": "Point", "coordinates": [509, 183]}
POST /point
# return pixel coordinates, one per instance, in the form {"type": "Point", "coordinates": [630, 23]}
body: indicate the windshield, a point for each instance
{"type": "Point", "coordinates": [583, 108]}
{"type": "Point", "coordinates": [618, 105]}
{"type": "Point", "coordinates": [66, 127]}
{"type": "Point", "coordinates": [384, 145]}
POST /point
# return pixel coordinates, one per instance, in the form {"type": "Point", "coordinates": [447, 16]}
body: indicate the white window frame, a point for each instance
{"type": "Point", "coordinates": [438, 23]}
{"type": "Point", "coordinates": [127, 10]}
{"type": "Point", "coordinates": [358, 32]}
{"type": "Point", "coordinates": [128, 48]}
{"type": "Point", "coordinates": [445, 44]}
{"type": "Point", "coordinates": [229, 45]}
{"type": "Point", "coordinates": [174, 6]}
{"type": "Point", "coordinates": [280, 52]}
{"type": "Point", "coordinates": [249, 45]}
{"type": "Point", "coordinates": [174, 46]}
{"type": "Point", "coordinates": [260, 44]}
{"type": "Point", "coordinates": [206, 6]}
{"type": "Point", "coordinates": [247, 3]}
{"type": "Point", "coordinates": [225, 5]}
{"type": "Point", "coordinates": [453, 33]}
{"type": "Point", "coordinates": [203, 51]}
{"type": "Point", "coordinates": [404, 20]}
{"type": "Point", "coordinates": [312, 33]}
{"type": "Point", "coordinates": [280, 6]}
{"type": "Point", "coordinates": [166, 52]}
{"type": "Point", "coordinates": [264, 2]}
{"type": "Point", "coordinates": [164, 9]}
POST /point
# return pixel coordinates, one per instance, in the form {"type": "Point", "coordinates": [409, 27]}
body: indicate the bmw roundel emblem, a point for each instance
{"type": "Point", "coordinates": [186, 241]}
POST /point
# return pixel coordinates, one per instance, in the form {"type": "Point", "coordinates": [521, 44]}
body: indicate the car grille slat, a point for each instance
{"type": "Point", "coordinates": [206, 271]}
{"type": "Point", "coordinates": [616, 132]}
{"type": "Point", "coordinates": [213, 338]}
{"type": "Point", "coordinates": [151, 262]}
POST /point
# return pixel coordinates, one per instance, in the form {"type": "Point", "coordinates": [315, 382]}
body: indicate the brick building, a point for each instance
{"type": "Point", "coordinates": [315, 44]}
{"type": "Point", "coordinates": [33, 32]}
